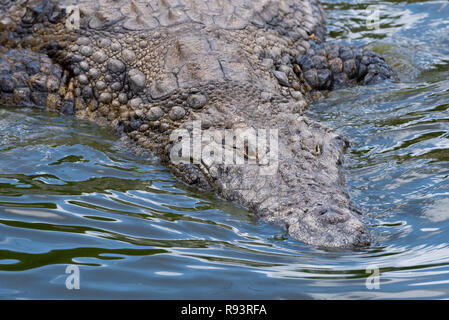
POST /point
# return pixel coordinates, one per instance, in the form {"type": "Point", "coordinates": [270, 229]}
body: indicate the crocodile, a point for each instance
{"type": "Point", "coordinates": [216, 89]}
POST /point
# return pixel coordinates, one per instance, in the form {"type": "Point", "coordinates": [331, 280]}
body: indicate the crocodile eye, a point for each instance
{"type": "Point", "coordinates": [322, 211]}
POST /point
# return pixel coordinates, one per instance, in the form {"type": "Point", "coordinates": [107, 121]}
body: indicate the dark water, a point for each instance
{"type": "Point", "coordinates": [70, 194]}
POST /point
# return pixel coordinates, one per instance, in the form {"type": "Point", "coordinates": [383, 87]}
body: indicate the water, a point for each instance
{"type": "Point", "coordinates": [71, 194]}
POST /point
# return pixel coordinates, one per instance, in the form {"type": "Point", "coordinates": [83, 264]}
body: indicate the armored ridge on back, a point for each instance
{"type": "Point", "coordinates": [155, 68]}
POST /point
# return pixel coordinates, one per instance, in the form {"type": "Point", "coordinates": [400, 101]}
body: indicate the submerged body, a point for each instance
{"type": "Point", "coordinates": [161, 69]}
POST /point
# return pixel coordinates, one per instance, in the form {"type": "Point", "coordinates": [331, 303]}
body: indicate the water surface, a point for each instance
{"type": "Point", "coordinates": [71, 194]}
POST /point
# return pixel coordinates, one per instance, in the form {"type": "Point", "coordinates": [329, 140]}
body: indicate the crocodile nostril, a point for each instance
{"type": "Point", "coordinates": [332, 215]}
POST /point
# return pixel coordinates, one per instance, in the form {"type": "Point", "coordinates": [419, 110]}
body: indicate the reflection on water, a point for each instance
{"type": "Point", "coordinates": [70, 193]}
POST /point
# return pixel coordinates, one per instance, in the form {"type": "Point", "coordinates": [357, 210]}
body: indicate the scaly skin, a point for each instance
{"type": "Point", "coordinates": [148, 68]}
